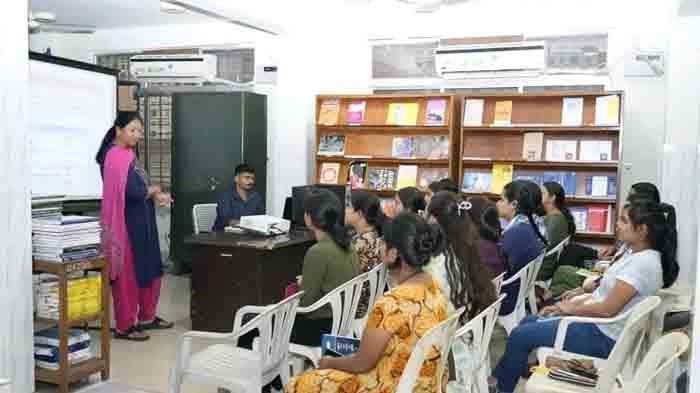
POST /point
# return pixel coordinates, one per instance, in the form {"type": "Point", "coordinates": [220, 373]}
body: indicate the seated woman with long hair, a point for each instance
{"type": "Point", "coordinates": [484, 215]}
{"type": "Point", "coordinates": [396, 322]}
{"type": "Point", "coordinates": [649, 230]}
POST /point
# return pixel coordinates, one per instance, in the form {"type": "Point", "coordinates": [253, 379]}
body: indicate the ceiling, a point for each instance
{"type": "Point", "coordinates": [690, 8]}
{"type": "Point", "coordinates": [107, 14]}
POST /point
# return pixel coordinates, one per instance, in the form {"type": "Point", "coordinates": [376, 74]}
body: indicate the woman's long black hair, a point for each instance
{"type": "Point", "coordinates": [412, 199]}
{"type": "Point", "coordinates": [485, 215]}
{"type": "Point", "coordinates": [557, 191]}
{"type": "Point", "coordinates": [326, 213]}
{"type": "Point", "coordinates": [644, 190]}
{"type": "Point", "coordinates": [371, 208]}
{"type": "Point", "coordinates": [528, 198]}
{"type": "Point", "coordinates": [469, 278]}
{"type": "Point", "coordinates": [660, 220]}
{"type": "Point", "coordinates": [414, 239]}
{"type": "Point", "coordinates": [123, 118]}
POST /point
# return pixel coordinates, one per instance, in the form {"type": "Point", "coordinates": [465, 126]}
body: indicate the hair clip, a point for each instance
{"type": "Point", "coordinates": [463, 206]}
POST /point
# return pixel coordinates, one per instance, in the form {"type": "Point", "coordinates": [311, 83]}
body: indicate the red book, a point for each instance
{"type": "Point", "coordinates": [598, 216]}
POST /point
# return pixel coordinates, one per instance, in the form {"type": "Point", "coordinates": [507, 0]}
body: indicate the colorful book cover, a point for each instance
{"type": "Point", "coordinates": [403, 147]}
{"type": "Point", "coordinates": [402, 114]}
{"type": "Point", "coordinates": [433, 147]}
{"type": "Point", "coordinates": [407, 176]}
{"type": "Point", "coordinates": [473, 112]}
{"type": "Point", "coordinates": [435, 112]}
{"type": "Point", "coordinates": [601, 186]}
{"type": "Point", "coordinates": [580, 215]}
{"type": "Point", "coordinates": [532, 146]}
{"type": "Point", "coordinates": [426, 176]}
{"type": "Point", "coordinates": [476, 182]}
{"type": "Point", "coordinates": [503, 112]}
{"type": "Point", "coordinates": [339, 345]}
{"type": "Point", "coordinates": [331, 145]}
{"type": "Point", "coordinates": [565, 179]}
{"type": "Point", "coordinates": [607, 110]}
{"type": "Point", "coordinates": [501, 175]}
{"type": "Point", "coordinates": [382, 178]}
{"type": "Point", "coordinates": [357, 174]}
{"type": "Point", "coordinates": [356, 113]}
{"type": "Point", "coordinates": [329, 173]}
{"type": "Point", "coordinates": [598, 218]}
{"type": "Point", "coordinates": [537, 178]}
{"type": "Point", "coordinates": [328, 113]}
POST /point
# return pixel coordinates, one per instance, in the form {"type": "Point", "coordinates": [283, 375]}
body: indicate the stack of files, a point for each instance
{"type": "Point", "coordinates": [73, 238]}
{"type": "Point", "coordinates": [84, 298]}
{"type": "Point", "coordinates": [46, 348]}
{"type": "Point", "coordinates": [51, 213]}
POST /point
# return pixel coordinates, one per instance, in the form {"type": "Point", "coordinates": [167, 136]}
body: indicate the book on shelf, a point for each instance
{"type": "Point", "coordinates": [601, 186]}
{"type": "Point", "coordinates": [402, 114]}
{"type": "Point", "coordinates": [330, 172]}
{"type": "Point", "coordinates": [356, 113]}
{"type": "Point", "coordinates": [561, 150]}
{"type": "Point", "coordinates": [501, 174]}
{"type": "Point", "coordinates": [580, 215]}
{"type": "Point", "coordinates": [426, 176]}
{"type": "Point", "coordinates": [607, 110]}
{"type": "Point", "coordinates": [432, 147]}
{"type": "Point", "coordinates": [435, 112]}
{"type": "Point", "coordinates": [331, 145]}
{"type": "Point", "coordinates": [572, 111]}
{"type": "Point", "coordinates": [407, 175]}
{"type": "Point", "coordinates": [382, 178]}
{"type": "Point", "coordinates": [339, 345]}
{"type": "Point", "coordinates": [566, 179]}
{"type": "Point", "coordinates": [503, 113]}
{"type": "Point", "coordinates": [473, 112]}
{"type": "Point", "coordinates": [402, 147]}
{"type": "Point", "coordinates": [328, 113]}
{"type": "Point", "coordinates": [537, 178]}
{"type": "Point", "coordinates": [476, 182]}
{"type": "Point", "coordinates": [532, 146]}
{"type": "Point", "coordinates": [50, 337]}
{"type": "Point", "coordinates": [596, 150]}
{"type": "Point", "coordinates": [357, 174]}
{"type": "Point", "coordinates": [599, 218]}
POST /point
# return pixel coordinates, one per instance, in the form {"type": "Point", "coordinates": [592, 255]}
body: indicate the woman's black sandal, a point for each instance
{"type": "Point", "coordinates": [128, 335]}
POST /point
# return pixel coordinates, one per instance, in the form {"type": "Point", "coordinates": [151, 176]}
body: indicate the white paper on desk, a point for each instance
{"type": "Point", "coordinates": [572, 111]}
{"type": "Point", "coordinates": [473, 112]}
{"type": "Point", "coordinates": [596, 151]}
{"type": "Point", "coordinates": [561, 150]}
{"type": "Point", "coordinates": [599, 186]}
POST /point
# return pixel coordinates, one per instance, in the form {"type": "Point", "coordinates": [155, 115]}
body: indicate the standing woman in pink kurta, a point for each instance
{"type": "Point", "coordinates": [129, 232]}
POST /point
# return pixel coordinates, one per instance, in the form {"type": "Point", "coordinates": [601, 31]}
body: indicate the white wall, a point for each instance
{"type": "Point", "coordinates": [72, 46]}
{"type": "Point", "coordinates": [16, 329]}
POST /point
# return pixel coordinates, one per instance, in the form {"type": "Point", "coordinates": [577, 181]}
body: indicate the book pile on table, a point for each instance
{"type": "Point", "coordinates": [72, 238]}
{"type": "Point", "coordinates": [52, 213]}
{"type": "Point", "coordinates": [46, 347]}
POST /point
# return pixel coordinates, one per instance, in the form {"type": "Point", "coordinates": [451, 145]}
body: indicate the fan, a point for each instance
{"type": "Point", "coordinates": [45, 22]}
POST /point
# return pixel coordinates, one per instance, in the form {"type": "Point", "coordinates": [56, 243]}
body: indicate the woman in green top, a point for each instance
{"type": "Point", "coordinates": [328, 264]}
{"type": "Point", "coordinates": [559, 223]}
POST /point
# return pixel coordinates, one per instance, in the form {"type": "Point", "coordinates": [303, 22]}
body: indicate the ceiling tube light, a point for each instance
{"type": "Point", "coordinates": [170, 8]}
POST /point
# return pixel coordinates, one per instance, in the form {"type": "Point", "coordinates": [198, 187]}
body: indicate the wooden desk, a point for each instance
{"type": "Point", "coordinates": [230, 271]}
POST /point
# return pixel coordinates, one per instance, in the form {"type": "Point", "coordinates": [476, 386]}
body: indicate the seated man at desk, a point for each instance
{"type": "Point", "coordinates": [239, 202]}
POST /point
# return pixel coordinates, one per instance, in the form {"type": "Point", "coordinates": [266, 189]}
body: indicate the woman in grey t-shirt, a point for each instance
{"type": "Point", "coordinates": [649, 229]}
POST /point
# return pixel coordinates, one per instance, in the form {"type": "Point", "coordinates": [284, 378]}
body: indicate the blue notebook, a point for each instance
{"type": "Point", "coordinates": [339, 345]}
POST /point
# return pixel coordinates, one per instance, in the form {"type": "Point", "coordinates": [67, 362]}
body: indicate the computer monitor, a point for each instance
{"type": "Point", "coordinates": [299, 193]}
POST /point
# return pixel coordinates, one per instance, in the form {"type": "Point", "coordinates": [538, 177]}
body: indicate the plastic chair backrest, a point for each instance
{"type": "Point", "coordinates": [498, 282]}
{"type": "Point", "coordinates": [440, 336]}
{"type": "Point", "coordinates": [203, 217]}
{"type": "Point", "coordinates": [275, 328]}
{"type": "Point", "coordinates": [559, 248]}
{"type": "Point", "coordinates": [376, 283]}
{"type": "Point", "coordinates": [654, 375]}
{"type": "Point", "coordinates": [343, 301]}
{"type": "Point", "coordinates": [527, 276]}
{"type": "Point", "coordinates": [627, 344]}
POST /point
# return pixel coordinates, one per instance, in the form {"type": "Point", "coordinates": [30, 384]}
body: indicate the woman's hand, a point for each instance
{"type": "Point", "coordinates": [163, 199]}
{"type": "Point", "coordinates": [590, 284]}
{"type": "Point", "coordinates": [324, 363]}
{"type": "Point", "coordinates": [550, 310]}
{"type": "Point", "coordinates": [567, 308]}
{"type": "Point", "coordinates": [607, 253]}
{"type": "Point", "coordinates": [572, 293]}
{"type": "Point", "coordinates": [153, 190]}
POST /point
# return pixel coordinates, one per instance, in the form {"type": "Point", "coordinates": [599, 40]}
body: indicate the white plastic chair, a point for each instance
{"type": "Point", "coordinates": [203, 217]}
{"type": "Point", "coordinates": [343, 302]}
{"type": "Point", "coordinates": [441, 337]}
{"type": "Point", "coordinates": [376, 281]}
{"type": "Point", "coordinates": [5, 386]}
{"type": "Point", "coordinates": [238, 369]}
{"type": "Point", "coordinates": [526, 276]}
{"type": "Point", "coordinates": [475, 338]}
{"type": "Point", "coordinates": [622, 354]}
{"type": "Point", "coordinates": [498, 282]}
{"type": "Point", "coordinates": [654, 374]}
{"type": "Point", "coordinates": [557, 250]}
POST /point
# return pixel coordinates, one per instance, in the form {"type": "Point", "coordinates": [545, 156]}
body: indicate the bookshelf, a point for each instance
{"type": "Point", "coordinates": [427, 142]}
{"type": "Point", "coordinates": [569, 137]}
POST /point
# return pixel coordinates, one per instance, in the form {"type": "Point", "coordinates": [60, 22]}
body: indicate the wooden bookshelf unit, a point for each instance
{"type": "Point", "coordinates": [547, 136]}
{"type": "Point", "coordinates": [373, 139]}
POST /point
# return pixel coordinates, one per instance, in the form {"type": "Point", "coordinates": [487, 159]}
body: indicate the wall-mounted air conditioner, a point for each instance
{"type": "Point", "coordinates": [173, 68]}
{"type": "Point", "coordinates": [512, 59]}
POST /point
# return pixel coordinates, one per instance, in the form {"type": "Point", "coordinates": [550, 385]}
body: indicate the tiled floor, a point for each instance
{"type": "Point", "coordinates": [146, 365]}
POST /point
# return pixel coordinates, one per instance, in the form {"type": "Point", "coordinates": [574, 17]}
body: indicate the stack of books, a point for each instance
{"type": "Point", "coordinates": [72, 238]}
{"type": "Point", "coordinates": [84, 298]}
{"type": "Point", "coordinates": [46, 348]}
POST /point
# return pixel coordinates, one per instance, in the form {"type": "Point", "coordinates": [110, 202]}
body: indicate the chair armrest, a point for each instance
{"type": "Point", "coordinates": [246, 310]}
{"type": "Point", "coordinates": [566, 321]}
{"type": "Point", "coordinates": [319, 304]}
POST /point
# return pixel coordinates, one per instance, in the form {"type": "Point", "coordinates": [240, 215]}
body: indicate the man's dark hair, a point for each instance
{"type": "Point", "coordinates": [244, 168]}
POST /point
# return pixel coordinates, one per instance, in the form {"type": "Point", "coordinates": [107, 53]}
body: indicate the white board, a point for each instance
{"type": "Point", "coordinates": [70, 110]}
